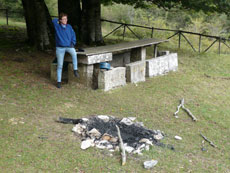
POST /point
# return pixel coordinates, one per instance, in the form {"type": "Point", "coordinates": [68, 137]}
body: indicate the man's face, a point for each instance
{"type": "Point", "coordinates": [64, 20]}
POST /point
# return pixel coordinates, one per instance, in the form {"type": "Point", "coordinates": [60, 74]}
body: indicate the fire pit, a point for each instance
{"type": "Point", "coordinates": [100, 131]}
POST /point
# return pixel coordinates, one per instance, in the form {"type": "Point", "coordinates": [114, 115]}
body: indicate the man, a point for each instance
{"type": "Point", "coordinates": [65, 41]}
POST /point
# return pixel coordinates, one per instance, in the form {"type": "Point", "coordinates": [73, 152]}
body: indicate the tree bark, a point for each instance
{"type": "Point", "coordinates": [39, 25]}
{"type": "Point", "coordinates": [73, 9]}
{"type": "Point", "coordinates": [91, 22]}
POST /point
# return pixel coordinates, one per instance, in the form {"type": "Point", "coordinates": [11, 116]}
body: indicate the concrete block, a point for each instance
{"type": "Point", "coordinates": [120, 60]}
{"type": "Point", "coordinates": [135, 72]}
{"type": "Point", "coordinates": [53, 71]}
{"type": "Point", "coordinates": [138, 54]}
{"type": "Point", "coordinates": [110, 79]}
{"type": "Point", "coordinates": [157, 66]}
{"type": "Point", "coordinates": [161, 65]}
{"type": "Point", "coordinates": [85, 75]}
{"type": "Point", "coordinates": [173, 62]}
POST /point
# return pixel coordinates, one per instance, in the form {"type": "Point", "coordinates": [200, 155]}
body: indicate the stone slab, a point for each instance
{"type": "Point", "coordinates": [91, 59]}
{"type": "Point", "coordinates": [53, 71]}
{"type": "Point", "coordinates": [173, 62]}
{"type": "Point", "coordinates": [110, 79]}
{"type": "Point", "coordinates": [161, 65]}
{"type": "Point", "coordinates": [85, 75]}
{"type": "Point", "coordinates": [135, 72]}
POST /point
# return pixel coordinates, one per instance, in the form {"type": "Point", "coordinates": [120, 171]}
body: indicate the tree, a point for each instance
{"type": "Point", "coordinates": [38, 23]}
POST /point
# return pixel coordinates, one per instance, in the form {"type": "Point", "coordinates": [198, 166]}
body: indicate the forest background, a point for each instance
{"type": "Point", "coordinates": [216, 24]}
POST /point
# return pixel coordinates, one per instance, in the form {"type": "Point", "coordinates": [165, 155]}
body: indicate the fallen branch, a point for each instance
{"type": "Point", "coordinates": [69, 120]}
{"type": "Point", "coordinates": [186, 109]}
{"type": "Point", "coordinates": [178, 108]}
{"type": "Point", "coordinates": [123, 155]}
{"type": "Point", "coordinates": [210, 142]}
{"type": "Point", "coordinates": [189, 113]}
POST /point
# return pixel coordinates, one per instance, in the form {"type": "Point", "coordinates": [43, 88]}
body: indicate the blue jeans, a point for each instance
{"type": "Point", "coordinates": [60, 54]}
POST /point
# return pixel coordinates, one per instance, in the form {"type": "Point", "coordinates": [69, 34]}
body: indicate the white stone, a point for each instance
{"type": "Point", "coordinates": [103, 144]}
{"type": "Point", "coordinates": [147, 141]}
{"type": "Point", "coordinates": [178, 137]}
{"type": "Point", "coordinates": [126, 121]}
{"type": "Point", "coordinates": [104, 117]}
{"type": "Point", "coordinates": [138, 151]}
{"type": "Point", "coordinates": [150, 163]}
{"type": "Point", "coordinates": [132, 118]}
{"type": "Point", "coordinates": [129, 149]}
{"type": "Point", "coordinates": [78, 128]}
{"type": "Point", "coordinates": [94, 133]}
{"type": "Point", "coordinates": [159, 136]}
{"type": "Point", "coordinates": [86, 144]}
{"type": "Point", "coordinates": [85, 119]}
{"type": "Point", "coordinates": [147, 147]}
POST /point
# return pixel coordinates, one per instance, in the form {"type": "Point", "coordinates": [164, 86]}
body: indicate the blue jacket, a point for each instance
{"type": "Point", "coordinates": [64, 36]}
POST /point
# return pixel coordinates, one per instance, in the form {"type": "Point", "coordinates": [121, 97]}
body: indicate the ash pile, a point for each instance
{"type": "Point", "coordinates": [100, 131]}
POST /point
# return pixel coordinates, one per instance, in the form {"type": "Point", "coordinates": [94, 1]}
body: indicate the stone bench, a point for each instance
{"type": "Point", "coordinates": [161, 65]}
{"type": "Point", "coordinates": [135, 72]}
{"type": "Point", "coordinates": [109, 79]}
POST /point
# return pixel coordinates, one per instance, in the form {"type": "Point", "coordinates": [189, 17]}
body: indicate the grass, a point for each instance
{"type": "Point", "coordinates": [12, 22]}
{"type": "Point", "coordinates": [33, 142]}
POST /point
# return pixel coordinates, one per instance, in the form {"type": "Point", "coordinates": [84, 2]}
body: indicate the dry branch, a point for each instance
{"type": "Point", "coordinates": [178, 107]}
{"type": "Point", "coordinates": [210, 142]}
{"type": "Point", "coordinates": [186, 109]}
{"type": "Point", "coordinates": [123, 155]}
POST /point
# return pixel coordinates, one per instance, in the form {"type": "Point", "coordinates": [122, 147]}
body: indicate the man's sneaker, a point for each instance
{"type": "Point", "coordinates": [76, 73]}
{"type": "Point", "coordinates": [59, 85]}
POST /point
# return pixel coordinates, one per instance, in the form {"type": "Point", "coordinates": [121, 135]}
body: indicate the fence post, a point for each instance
{"type": "Point", "coordinates": [152, 33]}
{"type": "Point", "coordinates": [179, 38]}
{"type": "Point", "coordinates": [219, 44]}
{"type": "Point", "coordinates": [124, 32]}
{"type": "Point", "coordinates": [7, 23]}
{"type": "Point", "coordinates": [199, 43]}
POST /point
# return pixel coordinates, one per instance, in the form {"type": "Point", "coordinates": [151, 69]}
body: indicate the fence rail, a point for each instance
{"type": "Point", "coordinates": [180, 34]}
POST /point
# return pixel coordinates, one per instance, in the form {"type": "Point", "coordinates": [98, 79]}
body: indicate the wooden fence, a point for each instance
{"type": "Point", "coordinates": [180, 34]}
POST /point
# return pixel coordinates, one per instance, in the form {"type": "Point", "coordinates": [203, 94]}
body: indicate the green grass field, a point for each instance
{"type": "Point", "coordinates": [31, 140]}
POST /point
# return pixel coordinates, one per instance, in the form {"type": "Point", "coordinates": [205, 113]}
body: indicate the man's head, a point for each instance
{"type": "Point", "coordinates": [63, 18]}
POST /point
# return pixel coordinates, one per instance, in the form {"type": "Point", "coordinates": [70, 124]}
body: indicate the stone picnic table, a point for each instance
{"type": "Point", "coordinates": [128, 62]}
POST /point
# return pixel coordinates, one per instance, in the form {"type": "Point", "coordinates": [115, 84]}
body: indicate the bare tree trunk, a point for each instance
{"type": "Point", "coordinates": [73, 9]}
{"type": "Point", "coordinates": [39, 24]}
{"type": "Point", "coordinates": [91, 22]}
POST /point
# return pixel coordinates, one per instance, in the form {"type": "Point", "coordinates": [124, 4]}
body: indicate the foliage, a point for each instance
{"type": "Point", "coordinates": [12, 5]}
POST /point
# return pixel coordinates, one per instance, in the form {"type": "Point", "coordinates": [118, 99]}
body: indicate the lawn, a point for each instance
{"type": "Point", "coordinates": [32, 141]}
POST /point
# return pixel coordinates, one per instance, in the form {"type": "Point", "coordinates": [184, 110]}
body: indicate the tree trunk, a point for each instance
{"type": "Point", "coordinates": [39, 25]}
{"type": "Point", "coordinates": [73, 9]}
{"type": "Point", "coordinates": [91, 22]}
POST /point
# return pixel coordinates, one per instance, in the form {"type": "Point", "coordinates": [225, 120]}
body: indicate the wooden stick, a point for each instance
{"type": "Point", "coordinates": [123, 155]}
{"type": "Point", "coordinates": [189, 113]}
{"type": "Point", "coordinates": [210, 142]}
{"type": "Point", "coordinates": [178, 107]}
{"type": "Point", "coordinates": [187, 110]}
